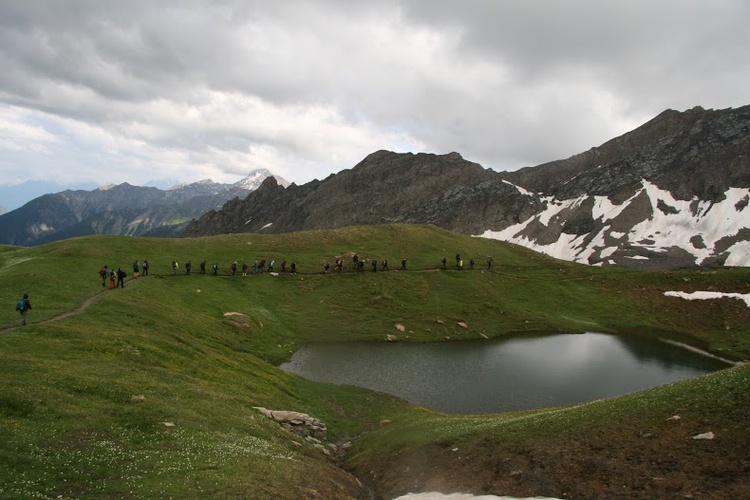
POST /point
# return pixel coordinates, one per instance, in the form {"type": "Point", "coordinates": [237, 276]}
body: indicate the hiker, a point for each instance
{"type": "Point", "coordinates": [112, 280]}
{"type": "Point", "coordinates": [444, 261]}
{"type": "Point", "coordinates": [234, 268]}
{"type": "Point", "coordinates": [144, 267]}
{"type": "Point", "coordinates": [326, 266]}
{"type": "Point", "coordinates": [283, 266]}
{"type": "Point", "coordinates": [458, 259]}
{"type": "Point", "coordinates": [23, 306]}
{"type": "Point", "coordinates": [403, 264]}
{"type": "Point", "coordinates": [203, 267]}
{"type": "Point", "coordinates": [384, 265]}
{"type": "Point", "coordinates": [461, 264]}
{"type": "Point", "coordinates": [136, 268]}
{"type": "Point", "coordinates": [355, 262]}
{"type": "Point", "coordinates": [261, 266]}
{"type": "Point", "coordinates": [215, 267]}
{"type": "Point", "coordinates": [120, 277]}
{"type": "Point", "coordinates": [340, 265]}
{"type": "Point", "coordinates": [471, 264]}
{"type": "Point", "coordinates": [489, 262]}
{"type": "Point", "coordinates": [188, 266]}
{"type": "Point", "coordinates": [255, 268]}
{"type": "Point", "coordinates": [374, 265]}
{"type": "Point", "coordinates": [244, 268]}
{"type": "Point", "coordinates": [293, 268]}
{"type": "Point", "coordinates": [104, 274]}
{"type": "Point", "coordinates": [175, 267]}
{"type": "Point", "coordinates": [270, 266]}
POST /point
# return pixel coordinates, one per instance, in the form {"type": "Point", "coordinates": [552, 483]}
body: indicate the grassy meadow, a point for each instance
{"type": "Point", "coordinates": [148, 391]}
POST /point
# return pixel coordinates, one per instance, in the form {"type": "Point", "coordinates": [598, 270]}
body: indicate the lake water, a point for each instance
{"type": "Point", "coordinates": [502, 375]}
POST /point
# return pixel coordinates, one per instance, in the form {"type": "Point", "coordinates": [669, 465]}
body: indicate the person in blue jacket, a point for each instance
{"type": "Point", "coordinates": [23, 307]}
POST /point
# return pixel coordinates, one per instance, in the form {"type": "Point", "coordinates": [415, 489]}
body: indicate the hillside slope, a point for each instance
{"type": "Point", "coordinates": [150, 390]}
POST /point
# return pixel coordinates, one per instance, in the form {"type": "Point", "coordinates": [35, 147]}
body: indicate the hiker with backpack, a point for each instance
{"type": "Point", "coordinates": [104, 274]}
{"type": "Point", "coordinates": [144, 267]}
{"type": "Point", "coordinates": [120, 278]}
{"type": "Point", "coordinates": [23, 306]}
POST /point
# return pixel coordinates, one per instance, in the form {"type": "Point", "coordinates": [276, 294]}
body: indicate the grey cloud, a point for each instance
{"type": "Point", "coordinates": [508, 84]}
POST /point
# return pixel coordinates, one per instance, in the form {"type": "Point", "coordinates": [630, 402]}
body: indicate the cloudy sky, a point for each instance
{"type": "Point", "coordinates": [111, 91]}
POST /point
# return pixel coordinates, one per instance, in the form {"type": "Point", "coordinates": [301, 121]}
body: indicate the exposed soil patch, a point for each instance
{"type": "Point", "coordinates": [658, 460]}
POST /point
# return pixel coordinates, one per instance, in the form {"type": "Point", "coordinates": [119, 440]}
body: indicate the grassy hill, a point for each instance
{"type": "Point", "coordinates": [148, 391]}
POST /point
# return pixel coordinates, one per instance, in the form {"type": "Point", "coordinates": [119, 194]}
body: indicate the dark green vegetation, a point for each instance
{"type": "Point", "coordinates": [148, 391]}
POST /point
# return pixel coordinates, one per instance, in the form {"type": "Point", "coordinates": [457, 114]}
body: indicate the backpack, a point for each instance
{"type": "Point", "coordinates": [21, 305]}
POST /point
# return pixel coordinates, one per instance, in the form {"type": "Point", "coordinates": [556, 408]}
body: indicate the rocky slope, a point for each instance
{"type": "Point", "coordinates": [672, 193]}
{"type": "Point", "coordinates": [385, 187]}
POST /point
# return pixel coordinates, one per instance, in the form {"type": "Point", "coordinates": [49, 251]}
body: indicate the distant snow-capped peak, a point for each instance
{"type": "Point", "coordinates": [250, 183]}
{"type": "Point", "coordinates": [255, 178]}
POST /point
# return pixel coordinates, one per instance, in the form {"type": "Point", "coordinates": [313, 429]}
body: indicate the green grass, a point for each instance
{"type": "Point", "coordinates": [71, 427]}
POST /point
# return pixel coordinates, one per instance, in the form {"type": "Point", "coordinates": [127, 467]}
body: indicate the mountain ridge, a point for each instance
{"type": "Point", "coordinates": [119, 209]}
{"type": "Point", "coordinates": [696, 156]}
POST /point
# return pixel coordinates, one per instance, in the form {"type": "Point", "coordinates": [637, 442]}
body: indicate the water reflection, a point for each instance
{"type": "Point", "coordinates": [502, 375]}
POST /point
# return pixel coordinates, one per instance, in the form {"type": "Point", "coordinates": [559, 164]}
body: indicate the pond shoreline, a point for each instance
{"type": "Point", "coordinates": [702, 352]}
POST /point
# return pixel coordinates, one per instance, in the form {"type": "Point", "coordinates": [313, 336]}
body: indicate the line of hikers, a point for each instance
{"type": "Point", "coordinates": [460, 262]}
{"type": "Point", "coordinates": [116, 278]}
{"type": "Point", "coordinates": [257, 267]}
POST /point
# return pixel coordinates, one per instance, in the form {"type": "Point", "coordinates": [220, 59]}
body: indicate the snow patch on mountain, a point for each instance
{"type": "Point", "coordinates": [519, 188]}
{"type": "Point", "coordinates": [696, 226]}
{"type": "Point", "coordinates": [702, 229]}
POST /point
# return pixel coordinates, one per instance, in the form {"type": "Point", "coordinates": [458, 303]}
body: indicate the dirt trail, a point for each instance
{"type": "Point", "coordinates": [67, 314]}
{"type": "Point", "coordinates": [87, 303]}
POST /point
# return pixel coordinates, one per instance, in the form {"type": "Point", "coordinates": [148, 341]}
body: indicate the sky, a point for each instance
{"type": "Point", "coordinates": [145, 92]}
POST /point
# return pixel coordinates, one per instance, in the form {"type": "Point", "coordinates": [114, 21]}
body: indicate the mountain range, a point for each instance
{"type": "Point", "coordinates": [672, 193]}
{"type": "Point", "coordinates": [120, 209]}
